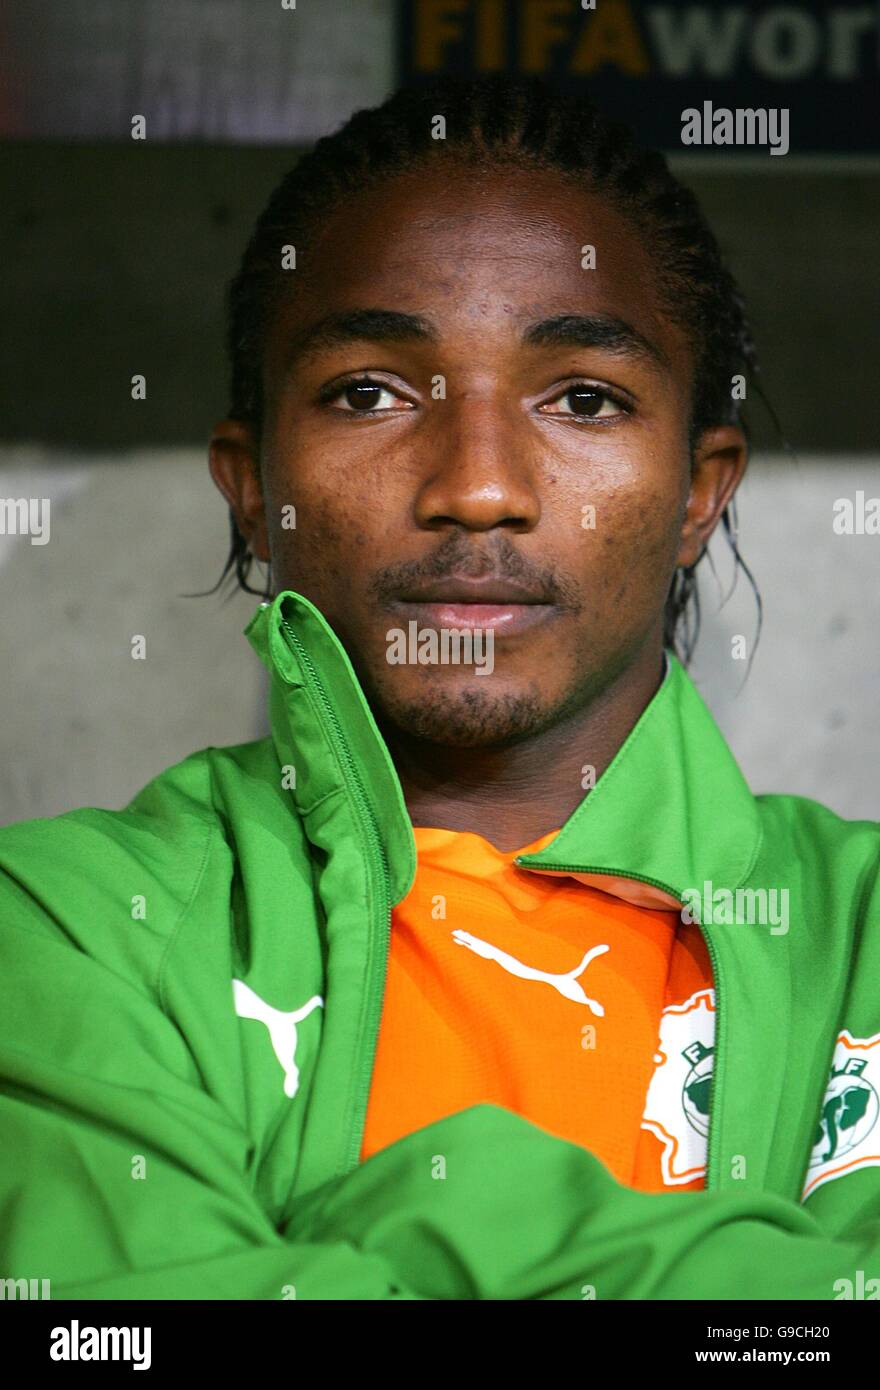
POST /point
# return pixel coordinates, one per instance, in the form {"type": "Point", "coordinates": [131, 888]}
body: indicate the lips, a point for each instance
{"type": "Point", "coordinates": [505, 606]}
{"type": "Point", "coordinates": [486, 590]}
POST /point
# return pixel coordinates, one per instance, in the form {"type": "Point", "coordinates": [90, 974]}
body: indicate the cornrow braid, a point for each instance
{"type": "Point", "coordinates": [493, 121]}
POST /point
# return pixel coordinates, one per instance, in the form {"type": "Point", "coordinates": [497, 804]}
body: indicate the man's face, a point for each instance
{"type": "Point", "coordinates": [478, 428]}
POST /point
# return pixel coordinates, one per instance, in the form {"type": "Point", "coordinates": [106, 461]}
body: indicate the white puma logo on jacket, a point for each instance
{"type": "Point", "coordinates": [281, 1026]}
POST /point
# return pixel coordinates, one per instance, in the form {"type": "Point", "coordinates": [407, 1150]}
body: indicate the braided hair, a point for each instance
{"type": "Point", "coordinates": [497, 120]}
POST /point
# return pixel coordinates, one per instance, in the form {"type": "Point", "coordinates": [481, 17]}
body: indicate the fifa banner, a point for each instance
{"type": "Point", "coordinates": [754, 79]}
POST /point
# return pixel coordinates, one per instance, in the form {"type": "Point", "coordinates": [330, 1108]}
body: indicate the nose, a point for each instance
{"type": "Point", "coordinates": [478, 472]}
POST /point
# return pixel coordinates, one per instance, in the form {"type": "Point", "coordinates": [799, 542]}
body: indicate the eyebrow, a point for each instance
{"type": "Point", "coordinates": [360, 325]}
{"type": "Point", "coordinates": [393, 326]}
{"type": "Point", "coordinates": [594, 330]}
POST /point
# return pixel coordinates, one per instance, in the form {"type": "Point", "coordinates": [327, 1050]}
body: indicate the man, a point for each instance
{"type": "Point", "coordinates": [484, 976]}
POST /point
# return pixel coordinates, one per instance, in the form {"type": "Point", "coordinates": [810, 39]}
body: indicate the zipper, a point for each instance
{"type": "Point", "coordinates": [377, 960]}
{"type": "Point", "coordinates": [376, 987]}
{"type": "Point", "coordinates": [713, 956]}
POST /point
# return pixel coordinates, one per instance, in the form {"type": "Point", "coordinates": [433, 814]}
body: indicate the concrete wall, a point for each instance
{"type": "Point", "coordinates": [84, 723]}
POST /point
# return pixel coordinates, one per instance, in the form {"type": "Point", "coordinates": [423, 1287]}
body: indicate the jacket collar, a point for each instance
{"type": "Point", "coordinates": [671, 810]}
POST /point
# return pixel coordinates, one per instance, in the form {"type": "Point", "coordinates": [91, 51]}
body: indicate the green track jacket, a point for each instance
{"type": "Point", "coordinates": [166, 1134]}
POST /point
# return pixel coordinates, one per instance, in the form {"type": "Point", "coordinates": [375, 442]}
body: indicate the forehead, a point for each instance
{"type": "Point", "coordinates": [481, 249]}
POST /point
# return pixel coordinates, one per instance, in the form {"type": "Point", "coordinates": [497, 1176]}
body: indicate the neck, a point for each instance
{"type": "Point", "coordinates": [512, 796]}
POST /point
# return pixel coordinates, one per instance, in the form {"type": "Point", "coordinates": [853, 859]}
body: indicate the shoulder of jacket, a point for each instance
{"type": "Point", "coordinates": [827, 848]}
{"type": "Point", "coordinates": [157, 846]}
{"type": "Point", "coordinates": [804, 815]}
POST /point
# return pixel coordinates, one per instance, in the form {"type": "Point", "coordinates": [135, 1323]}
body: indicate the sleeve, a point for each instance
{"type": "Point", "coordinates": [524, 1215]}
{"type": "Point", "coordinates": [120, 1177]}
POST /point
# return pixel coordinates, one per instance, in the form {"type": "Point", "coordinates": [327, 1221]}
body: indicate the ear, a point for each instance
{"type": "Point", "coordinates": [234, 464]}
{"type": "Point", "coordinates": [719, 462]}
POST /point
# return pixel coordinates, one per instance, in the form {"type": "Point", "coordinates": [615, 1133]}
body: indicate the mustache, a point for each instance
{"type": "Point", "coordinates": [460, 559]}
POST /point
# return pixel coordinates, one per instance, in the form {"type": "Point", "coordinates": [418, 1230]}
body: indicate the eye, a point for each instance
{"type": "Point", "coordinates": [363, 396]}
{"type": "Point", "coordinates": [584, 401]}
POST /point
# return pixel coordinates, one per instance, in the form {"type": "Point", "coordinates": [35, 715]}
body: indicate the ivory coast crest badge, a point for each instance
{"type": "Point", "coordinates": [847, 1133]}
{"type": "Point", "coordinates": [677, 1104]}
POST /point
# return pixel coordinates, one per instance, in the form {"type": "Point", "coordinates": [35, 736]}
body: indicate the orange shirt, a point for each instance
{"type": "Point", "coordinates": [552, 998]}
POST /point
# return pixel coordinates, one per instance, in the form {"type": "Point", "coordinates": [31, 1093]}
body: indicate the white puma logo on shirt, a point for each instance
{"type": "Point", "coordinates": [566, 984]}
{"type": "Point", "coordinates": [281, 1026]}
